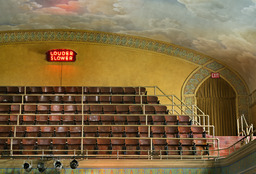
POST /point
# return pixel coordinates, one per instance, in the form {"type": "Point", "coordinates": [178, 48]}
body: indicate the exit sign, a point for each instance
{"type": "Point", "coordinates": [215, 75]}
{"type": "Point", "coordinates": [61, 55]}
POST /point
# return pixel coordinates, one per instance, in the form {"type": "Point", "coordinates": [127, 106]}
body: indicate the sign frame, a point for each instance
{"type": "Point", "coordinates": [61, 55]}
{"type": "Point", "coordinates": [215, 75]}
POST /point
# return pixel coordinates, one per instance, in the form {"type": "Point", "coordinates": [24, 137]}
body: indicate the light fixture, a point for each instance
{"type": "Point", "coordinates": [58, 165]}
{"type": "Point", "coordinates": [74, 164]}
{"type": "Point", "coordinates": [27, 166]}
{"type": "Point", "coordinates": [40, 167]}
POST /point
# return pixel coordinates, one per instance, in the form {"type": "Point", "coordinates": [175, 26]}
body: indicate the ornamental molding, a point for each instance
{"type": "Point", "coordinates": [206, 64]}
{"type": "Point", "coordinates": [28, 36]}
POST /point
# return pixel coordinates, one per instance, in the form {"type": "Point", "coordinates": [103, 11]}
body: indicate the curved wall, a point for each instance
{"type": "Point", "coordinates": [107, 59]}
{"type": "Point", "coordinates": [96, 65]}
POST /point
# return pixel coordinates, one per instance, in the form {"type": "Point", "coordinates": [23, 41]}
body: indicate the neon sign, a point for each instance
{"type": "Point", "coordinates": [215, 75]}
{"type": "Point", "coordinates": [61, 55]}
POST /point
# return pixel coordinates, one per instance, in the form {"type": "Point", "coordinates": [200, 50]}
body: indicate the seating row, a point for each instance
{"type": "Point", "coordinates": [79, 99]}
{"type": "Point", "coordinates": [102, 146]}
{"type": "Point", "coordinates": [112, 122]}
{"type": "Point", "coordinates": [72, 90]}
{"type": "Point", "coordinates": [95, 119]}
{"type": "Point", "coordinates": [103, 131]}
{"type": "Point", "coordinates": [87, 109]}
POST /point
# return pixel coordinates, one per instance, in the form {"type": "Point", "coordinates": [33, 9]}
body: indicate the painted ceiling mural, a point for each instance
{"type": "Point", "coordinates": [222, 29]}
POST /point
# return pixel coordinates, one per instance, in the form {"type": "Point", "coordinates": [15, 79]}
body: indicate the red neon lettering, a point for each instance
{"type": "Point", "coordinates": [63, 55]}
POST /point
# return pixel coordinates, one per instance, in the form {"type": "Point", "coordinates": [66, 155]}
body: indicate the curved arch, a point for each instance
{"type": "Point", "coordinates": [197, 78]}
{"type": "Point", "coordinates": [217, 98]}
{"type": "Point", "coordinates": [196, 90]}
{"type": "Point", "coordinates": [206, 64]}
{"type": "Point", "coordinates": [10, 37]}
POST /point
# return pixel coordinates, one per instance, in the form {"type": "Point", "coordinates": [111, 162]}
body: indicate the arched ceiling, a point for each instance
{"type": "Point", "coordinates": [225, 30]}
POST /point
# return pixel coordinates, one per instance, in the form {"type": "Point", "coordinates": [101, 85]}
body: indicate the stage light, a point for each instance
{"type": "Point", "coordinates": [74, 164]}
{"type": "Point", "coordinates": [27, 167]}
{"type": "Point", "coordinates": [40, 167]}
{"type": "Point", "coordinates": [58, 165]}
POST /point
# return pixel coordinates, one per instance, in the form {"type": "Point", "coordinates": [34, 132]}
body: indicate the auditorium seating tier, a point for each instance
{"type": "Point", "coordinates": [94, 121]}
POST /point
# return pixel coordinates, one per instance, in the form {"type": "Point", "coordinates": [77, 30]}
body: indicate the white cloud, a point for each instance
{"type": "Point", "coordinates": [235, 51]}
{"type": "Point", "coordinates": [170, 35]}
{"type": "Point", "coordinates": [210, 10]}
{"type": "Point", "coordinates": [226, 46]}
{"type": "Point", "coordinates": [236, 42]}
{"type": "Point", "coordinates": [99, 7]}
{"type": "Point", "coordinates": [53, 11]}
{"type": "Point", "coordinates": [251, 10]}
{"type": "Point", "coordinates": [128, 6]}
{"type": "Point", "coordinates": [164, 23]}
{"type": "Point", "coordinates": [222, 29]}
{"type": "Point", "coordinates": [97, 15]}
{"type": "Point", "coordinates": [108, 24]}
{"type": "Point", "coordinates": [50, 3]}
{"type": "Point", "coordinates": [11, 11]}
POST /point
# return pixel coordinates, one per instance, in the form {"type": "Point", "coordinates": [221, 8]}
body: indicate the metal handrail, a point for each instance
{"type": "Point", "coordinates": [117, 156]}
{"type": "Point", "coordinates": [194, 107]}
{"type": "Point", "coordinates": [155, 87]}
{"type": "Point", "coordinates": [248, 128]}
{"type": "Point", "coordinates": [75, 150]}
{"type": "Point", "coordinates": [173, 104]}
{"type": "Point", "coordinates": [239, 141]}
{"type": "Point", "coordinates": [149, 126]}
{"type": "Point", "coordinates": [193, 116]}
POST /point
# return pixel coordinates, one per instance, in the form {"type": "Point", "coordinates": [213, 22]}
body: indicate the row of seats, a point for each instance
{"type": "Point", "coordinates": [94, 119]}
{"type": "Point", "coordinates": [79, 99]}
{"type": "Point", "coordinates": [87, 109]}
{"type": "Point", "coordinates": [103, 131]}
{"type": "Point", "coordinates": [73, 90]}
{"type": "Point", "coordinates": [102, 146]}
{"type": "Point", "coordinates": [54, 106]}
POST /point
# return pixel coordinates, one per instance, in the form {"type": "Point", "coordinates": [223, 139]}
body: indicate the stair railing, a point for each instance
{"type": "Point", "coordinates": [244, 131]}
{"type": "Point", "coordinates": [191, 110]}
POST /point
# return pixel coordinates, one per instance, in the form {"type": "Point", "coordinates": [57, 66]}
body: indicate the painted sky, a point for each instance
{"type": "Point", "coordinates": [222, 29]}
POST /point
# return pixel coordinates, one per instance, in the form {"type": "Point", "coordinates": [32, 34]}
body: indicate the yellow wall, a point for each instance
{"type": "Point", "coordinates": [253, 114]}
{"type": "Point", "coordinates": [96, 65]}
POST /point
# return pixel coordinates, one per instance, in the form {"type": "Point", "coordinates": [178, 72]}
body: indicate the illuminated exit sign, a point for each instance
{"type": "Point", "coordinates": [215, 75]}
{"type": "Point", "coordinates": [61, 55]}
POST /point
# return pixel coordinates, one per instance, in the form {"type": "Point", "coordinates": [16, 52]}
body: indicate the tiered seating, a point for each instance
{"type": "Point", "coordinates": [111, 121]}
{"type": "Point", "coordinates": [158, 144]}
